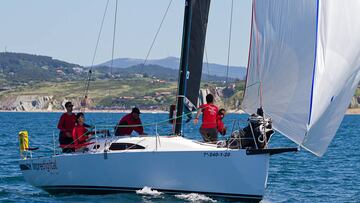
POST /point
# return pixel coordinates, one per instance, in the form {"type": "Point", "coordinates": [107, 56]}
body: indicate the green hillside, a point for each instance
{"type": "Point", "coordinates": [27, 77]}
{"type": "Point", "coordinates": [17, 68]}
{"type": "Point", "coordinates": [118, 94]}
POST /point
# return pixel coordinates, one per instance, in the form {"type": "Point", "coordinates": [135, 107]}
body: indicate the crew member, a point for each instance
{"type": "Point", "coordinates": [129, 123]}
{"type": "Point", "coordinates": [80, 133]}
{"type": "Point", "coordinates": [66, 125]}
{"type": "Point", "coordinates": [208, 129]}
{"type": "Point", "coordinates": [220, 124]}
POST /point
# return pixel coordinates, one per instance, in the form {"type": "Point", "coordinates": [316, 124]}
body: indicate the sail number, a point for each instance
{"type": "Point", "coordinates": [46, 166]}
{"type": "Point", "coordinates": [217, 154]}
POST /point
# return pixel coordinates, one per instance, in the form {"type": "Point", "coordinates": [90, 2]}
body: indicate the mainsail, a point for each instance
{"type": "Point", "coordinates": [304, 66]}
{"type": "Point", "coordinates": [194, 34]}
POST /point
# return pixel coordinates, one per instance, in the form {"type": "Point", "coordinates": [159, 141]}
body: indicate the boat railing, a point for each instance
{"type": "Point", "coordinates": [236, 140]}
{"type": "Point", "coordinates": [106, 132]}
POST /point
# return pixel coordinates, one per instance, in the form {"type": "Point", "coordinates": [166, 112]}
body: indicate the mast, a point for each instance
{"type": "Point", "coordinates": [191, 62]}
{"type": "Point", "coordinates": [183, 67]}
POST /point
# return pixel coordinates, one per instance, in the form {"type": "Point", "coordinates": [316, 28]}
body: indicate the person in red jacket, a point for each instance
{"type": "Point", "coordinates": [80, 133]}
{"type": "Point", "coordinates": [208, 129]}
{"type": "Point", "coordinates": [220, 124]}
{"type": "Point", "coordinates": [66, 125]}
{"type": "Point", "coordinates": [129, 123]}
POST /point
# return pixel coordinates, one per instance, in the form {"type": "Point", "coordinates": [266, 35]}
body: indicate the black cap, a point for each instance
{"type": "Point", "coordinates": [135, 110]}
{"type": "Point", "coordinates": [68, 104]}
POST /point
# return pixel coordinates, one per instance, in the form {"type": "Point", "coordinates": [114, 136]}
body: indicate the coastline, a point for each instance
{"type": "Point", "coordinates": [104, 111]}
{"type": "Point", "coordinates": [86, 111]}
{"type": "Point", "coordinates": [352, 111]}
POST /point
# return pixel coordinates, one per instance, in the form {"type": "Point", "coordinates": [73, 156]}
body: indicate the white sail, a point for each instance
{"type": "Point", "coordinates": [337, 70]}
{"type": "Point", "coordinates": [282, 57]}
{"type": "Point", "coordinates": [303, 66]}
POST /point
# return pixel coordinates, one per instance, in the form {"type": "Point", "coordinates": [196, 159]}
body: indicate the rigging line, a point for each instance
{"type": "Point", "coordinates": [155, 37]}
{"type": "Point", "coordinates": [229, 42]}
{"type": "Point", "coordinates": [250, 49]}
{"type": "Point", "coordinates": [228, 55]}
{"type": "Point", "coordinates": [87, 82]}
{"type": "Point", "coordinates": [77, 139]}
{"type": "Point", "coordinates": [164, 122]}
{"type": "Point", "coordinates": [113, 42]}
{"type": "Point", "coordinates": [112, 50]}
{"type": "Point", "coordinates": [95, 51]}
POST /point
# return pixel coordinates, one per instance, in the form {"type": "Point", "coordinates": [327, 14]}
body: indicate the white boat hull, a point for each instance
{"type": "Point", "coordinates": [213, 171]}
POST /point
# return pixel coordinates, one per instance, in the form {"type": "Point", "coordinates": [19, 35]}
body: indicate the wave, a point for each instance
{"type": "Point", "coordinates": [148, 191]}
{"type": "Point", "coordinates": [194, 197]}
{"type": "Point", "coordinates": [265, 201]}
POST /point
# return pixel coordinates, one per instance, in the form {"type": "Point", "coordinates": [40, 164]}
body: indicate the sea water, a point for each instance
{"type": "Point", "coordinates": [293, 177]}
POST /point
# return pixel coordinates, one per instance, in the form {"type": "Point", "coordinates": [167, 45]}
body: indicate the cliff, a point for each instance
{"type": "Point", "coordinates": [35, 103]}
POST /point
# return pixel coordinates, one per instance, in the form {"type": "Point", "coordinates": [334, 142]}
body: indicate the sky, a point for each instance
{"type": "Point", "coordinates": [68, 29]}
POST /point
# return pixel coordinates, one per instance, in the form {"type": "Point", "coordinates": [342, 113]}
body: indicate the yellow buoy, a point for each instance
{"type": "Point", "coordinates": [23, 143]}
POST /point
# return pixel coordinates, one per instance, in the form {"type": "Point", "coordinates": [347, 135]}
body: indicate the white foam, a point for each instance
{"type": "Point", "coordinates": [194, 197]}
{"type": "Point", "coordinates": [148, 191]}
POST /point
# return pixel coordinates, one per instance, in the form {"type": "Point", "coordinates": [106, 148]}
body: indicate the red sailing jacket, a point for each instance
{"type": "Point", "coordinates": [79, 134]}
{"type": "Point", "coordinates": [220, 125]}
{"type": "Point", "coordinates": [67, 122]}
{"type": "Point", "coordinates": [127, 130]}
{"type": "Point", "coordinates": [209, 116]}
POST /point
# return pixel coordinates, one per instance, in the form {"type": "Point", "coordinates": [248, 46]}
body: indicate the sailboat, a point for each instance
{"type": "Point", "coordinates": [301, 72]}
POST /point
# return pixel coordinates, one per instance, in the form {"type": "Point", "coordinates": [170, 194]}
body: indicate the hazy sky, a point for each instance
{"type": "Point", "coordinates": [68, 29]}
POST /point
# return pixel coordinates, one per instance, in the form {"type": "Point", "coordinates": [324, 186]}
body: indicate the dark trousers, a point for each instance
{"type": "Point", "coordinates": [209, 134]}
{"type": "Point", "coordinates": [64, 140]}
